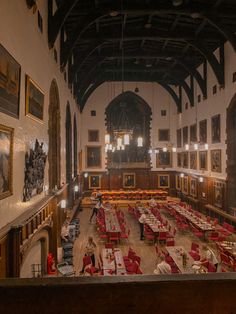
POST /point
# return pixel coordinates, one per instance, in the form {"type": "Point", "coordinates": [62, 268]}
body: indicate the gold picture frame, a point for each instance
{"type": "Point", "coordinates": [163, 181]}
{"type": "Point", "coordinates": [216, 160]}
{"type": "Point", "coordinates": [178, 182]}
{"type": "Point", "coordinates": [185, 185]}
{"type": "Point", "coordinates": [164, 159]}
{"type": "Point", "coordinates": [94, 181]}
{"type": "Point", "coordinates": [193, 160]}
{"type": "Point", "coordinates": [93, 135]}
{"type": "Point", "coordinates": [34, 100]}
{"type": "Point", "coordinates": [193, 187]}
{"type": "Point", "coordinates": [93, 157]}
{"type": "Point", "coordinates": [203, 160]}
{"type": "Point", "coordinates": [6, 161]}
{"type": "Point", "coordinates": [129, 180]}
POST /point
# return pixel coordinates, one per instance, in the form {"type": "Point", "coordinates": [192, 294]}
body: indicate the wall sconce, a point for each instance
{"type": "Point", "coordinates": [186, 147]}
{"type": "Point", "coordinates": [195, 146]}
{"type": "Point", "coordinates": [201, 179]}
{"type": "Point", "coordinates": [76, 188]}
{"type": "Point", "coordinates": [174, 149]}
{"type": "Point", "coordinates": [63, 204]}
{"type": "Point", "coordinates": [206, 146]}
{"type": "Point", "coordinates": [181, 175]}
{"type": "Point", "coordinates": [86, 175]}
{"type": "Point", "coordinates": [164, 149]}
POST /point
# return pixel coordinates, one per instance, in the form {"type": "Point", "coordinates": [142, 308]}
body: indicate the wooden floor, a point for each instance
{"type": "Point", "coordinates": [144, 250]}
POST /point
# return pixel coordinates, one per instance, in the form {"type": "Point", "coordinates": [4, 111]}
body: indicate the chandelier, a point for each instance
{"type": "Point", "coordinates": [121, 135]}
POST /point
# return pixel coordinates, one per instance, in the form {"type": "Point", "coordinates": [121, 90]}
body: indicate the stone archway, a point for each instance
{"type": "Point", "coordinates": [231, 153]}
{"type": "Point", "coordinates": [68, 145]}
{"type": "Point", "coordinates": [75, 138]}
{"type": "Point", "coordinates": [54, 132]}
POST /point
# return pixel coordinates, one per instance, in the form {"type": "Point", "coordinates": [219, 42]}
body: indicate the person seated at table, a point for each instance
{"type": "Point", "coordinates": [142, 220]}
{"type": "Point", "coordinates": [209, 256]}
{"type": "Point", "coordinates": [152, 202]}
{"type": "Point", "coordinates": [163, 267]}
{"type": "Point", "coordinates": [90, 251]}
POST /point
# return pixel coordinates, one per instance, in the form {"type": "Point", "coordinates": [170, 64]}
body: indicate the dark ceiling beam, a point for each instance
{"type": "Point", "coordinates": [202, 82]}
{"type": "Point", "coordinates": [56, 21]}
{"type": "Point", "coordinates": [224, 30]}
{"type": "Point", "coordinates": [100, 80]}
{"type": "Point", "coordinates": [217, 66]}
{"type": "Point", "coordinates": [114, 36]}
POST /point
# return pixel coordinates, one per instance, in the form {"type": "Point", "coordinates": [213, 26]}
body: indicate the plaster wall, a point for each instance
{"type": "Point", "coordinates": [21, 37]}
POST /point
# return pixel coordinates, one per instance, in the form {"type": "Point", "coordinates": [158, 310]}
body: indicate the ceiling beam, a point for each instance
{"type": "Point", "coordinates": [56, 21]}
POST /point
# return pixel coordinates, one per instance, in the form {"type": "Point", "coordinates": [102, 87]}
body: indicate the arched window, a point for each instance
{"type": "Point", "coordinates": [54, 133]}
{"type": "Point", "coordinates": [68, 145]}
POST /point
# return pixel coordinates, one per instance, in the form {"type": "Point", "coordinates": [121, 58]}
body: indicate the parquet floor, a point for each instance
{"type": "Point", "coordinates": [144, 250]}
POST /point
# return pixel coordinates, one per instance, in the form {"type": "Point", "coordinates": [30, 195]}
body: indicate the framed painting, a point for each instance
{"type": "Point", "coordinates": [203, 131]}
{"type": "Point", "coordinates": [6, 160]}
{"type": "Point", "coordinates": [193, 133]}
{"type": "Point", "coordinates": [34, 100]}
{"type": "Point", "coordinates": [185, 185]}
{"type": "Point", "coordinates": [164, 181]}
{"type": "Point", "coordinates": [128, 180]}
{"type": "Point", "coordinates": [203, 189]}
{"type": "Point", "coordinates": [193, 187]}
{"type": "Point", "coordinates": [93, 135]}
{"type": "Point", "coordinates": [218, 193]}
{"type": "Point", "coordinates": [185, 135]}
{"type": "Point", "coordinates": [164, 159]}
{"type": "Point", "coordinates": [216, 160]}
{"type": "Point", "coordinates": [193, 160]}
{"type": "Point", "coordinates": [179, 160]}
{"type": "Point", "coordinates": [215, 129]}
{"type": "Point", "coordinates": [185, 159]}
{"type": "Point", "coordinates": [94, 182]}
{"type": "Point", "coordinates": [93, 156]}
{"type": "Point", "coordinates": [179, 138]}
{"type": "Point", "coordinates": [164, 135]}
{"type": "Point", "coordinates": [202, 160]}
{"type": "Point", "coordinates": [10, 73]}
{"type": "Point", "coordinates": [178, 182]}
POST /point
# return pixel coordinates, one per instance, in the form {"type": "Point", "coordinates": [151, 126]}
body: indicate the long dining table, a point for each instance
{"type": "Point", "coordinates": [155, 225]}
{"type": "Point", "coordinates": [114, 266]}
{"type": "Point", "coordinates": [176, 253]}
{"type": "Point", "coordinates": [111, 221]}
{"type": "Point", "coordinates": [198, 222]}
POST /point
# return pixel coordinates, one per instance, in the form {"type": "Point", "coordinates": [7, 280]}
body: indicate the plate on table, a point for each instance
{"type": "Point", "coordinates": [196, 263]}
{"type": "Point", "coordinates": [228, 247]}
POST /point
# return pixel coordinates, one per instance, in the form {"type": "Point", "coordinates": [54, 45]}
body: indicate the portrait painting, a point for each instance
{"type": "Point", "coordinates": [193, 160]}
{"type": "Point", "coordinates": [94, 182]}
{"type": "Point", "coordinates": [203, 189]}
{"type": "Point", "coordinates": [164, 159]}
{"type": "Point", "coordinates": [193, 187]}
{"type": "Point", "coordinates": [185, 159]}
{"type": "Point", "coordinates": [93, 156]}
{"type": "Point", "coordinates": [164, 135]}
{"type": "Point", "coordinates": [128, 180]}
{"type": "Point", "coordinates": [185, 185]}
{"type": "Point", "coordinates": [185, 135]}
{"type": "Point", "coordinates": [177, 182]}
{"type": "Point", "coordinates": [179, 160]}
{"type": "Point", "coordinates": [163, 181]}
{"type": "Point", "coordinates": [93, 135]}
{"type": "Point", "coordinates": [216, 160]}
{"type": "Point", "coordinates": [218, 193]}
{"type": "Point", "coordinates": [10, 72]}
{"type": "Point", "coordinates": [34, 100]}
{"type": "Point", "coordinates": [179, 138]}
{"type": "Point", "coordinates": [193, 133]}
{"type": "Point", "coordinates": [202, 160]}
{"type": "Point", "coordinates": [6, 157]}
{"type": "Point", "coordinates": [203, 131]}
{"type": "Point", "coordinates": [215, 129]}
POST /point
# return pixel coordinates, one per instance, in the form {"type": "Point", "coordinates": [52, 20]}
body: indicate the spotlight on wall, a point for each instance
{"type": "Point", "coordinates": [86, 175]}
{"type": "Point", "coordinates": [186, 147]}
{"type": "Point", "coordinates": [200, 179]}
{"type": "Point", "coordinates": [206, 146]}
{"type": "Point", "coordinates": [63, 204]}
{"type": "Point", "coordinates": [181, 175]}
{"type": "Point", "coordinates": [164, 149]}
{"type": "Point", "coordinates": [195, 146]}
{"type": "Point", "coordinates": [174, 149]}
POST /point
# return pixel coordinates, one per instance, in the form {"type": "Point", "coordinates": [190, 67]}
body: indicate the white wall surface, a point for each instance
{"type": "Point", "coordinates": [20, 36]}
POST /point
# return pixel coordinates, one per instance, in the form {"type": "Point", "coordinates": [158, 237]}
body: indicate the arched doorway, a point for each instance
{"type": "Point", "coordinates": [138, 116]}
{"type": "Point", "coordinates": [68, 145]}
{"type": "Point", "coordinates": [231, 153]}
{"type": "Point", "coordinates": [75, 148]}
{"type": "Point", "coordinates": [54, 132]}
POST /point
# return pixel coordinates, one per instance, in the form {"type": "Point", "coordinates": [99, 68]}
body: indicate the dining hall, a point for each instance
{"type": "Point", "coordinates": [117, 156]}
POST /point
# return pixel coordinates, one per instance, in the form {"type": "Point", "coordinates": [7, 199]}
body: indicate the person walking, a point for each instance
{"type": "Point", "coordinates": [90, 251]}
{"type": "Point", "coordinates": [142, 220]}
{"type": "Point", "coordinates": [96, 207]}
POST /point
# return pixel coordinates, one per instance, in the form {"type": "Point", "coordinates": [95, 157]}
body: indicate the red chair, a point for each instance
{"type": "Point", "coordinates": [170, 242]}
{"type": "Point", "coordinates": [211, 268]}
{"type": "Point", "coordinates": [124, 235]}
{"type": "Point", "coordinates": [195, 247]}
{"type": "Point", "coordinates": [162, 236]}
{"type": "Point", "coordinates": [213, 236]}
{"type": "Point", "coordinates": [87, 265]}
{"type": "Point", "coordinates": [137, 259]}
{"type": "Point", "coordinates": [225, 260]}
{"type": "Point", "coordinates": [132, 268]}
{"type": "Point", "coordinates": [114, 236]}
{"type": "Point", "coordinates": [195, 255]}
